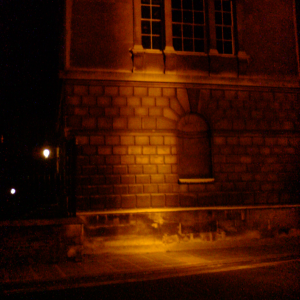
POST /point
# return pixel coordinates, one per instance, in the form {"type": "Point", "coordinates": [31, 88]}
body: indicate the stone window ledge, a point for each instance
{"type": "Point", "coordinates": [137, 50]}
{"type": "Point", "coordinates": [196, 180]}
{"type": "Point", "coordinates": [147, 60]}
{"type": "Point", "coordinates": [189, 53]}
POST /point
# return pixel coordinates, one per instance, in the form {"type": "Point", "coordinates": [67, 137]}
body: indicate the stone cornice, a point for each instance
{"type": "Point", "coordinates": [177, 80]}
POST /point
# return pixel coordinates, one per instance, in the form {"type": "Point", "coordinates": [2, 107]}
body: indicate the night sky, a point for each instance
{"type": "Point", "coordinates": [29, 95]}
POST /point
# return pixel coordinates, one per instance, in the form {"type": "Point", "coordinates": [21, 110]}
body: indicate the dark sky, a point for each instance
{"type": "Point", "coordinates": [29, 94]}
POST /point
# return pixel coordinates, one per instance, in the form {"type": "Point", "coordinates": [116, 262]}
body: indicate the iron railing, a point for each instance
{"type": "Point", "coordinates": [44, 188]}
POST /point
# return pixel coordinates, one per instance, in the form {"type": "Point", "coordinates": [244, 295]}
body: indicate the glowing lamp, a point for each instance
{"type": "Point", "coordinates": [12, 191]}
{"type": "Point", "coordinates": [46, 153]}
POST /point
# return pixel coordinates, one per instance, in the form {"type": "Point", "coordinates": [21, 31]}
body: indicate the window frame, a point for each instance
{"type": "Point", "coordinates": [167, 60]}
{"type": "Point", "coordinates": [210, 40]}
{"type": "Point", "coordinates": [181, 22]}
{"type": "Point", "coordinates": [223, 26]}
{"type": "Point", "coordinates": [149, 19]}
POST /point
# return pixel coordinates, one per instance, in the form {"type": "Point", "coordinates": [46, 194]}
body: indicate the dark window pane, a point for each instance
{"type": "Point", "coordinates": [199, 45]}
{"type": "Point", "coordinates": [156, 11]}
{"type": "Point", "coordinates": [146, 12]}
{"type": "Point", "coordinates": [176, 30]}
{"type": "Point", "coordinates": [220, 46]}
{"type": "Point", "coordinates": [156, 29]}
{"type": "Point", "coordinates": [198, 4]}
{"type": "Point", "coordinates": [199, 32]}
{"type": "Point", "coordinates": [156, 42]}
{"type": "Point", "coordinates": [218, 19]}
{"type": "Point", "coordinates": [176, 3]}
{"type": "Point", "coordinates": [187, 17]}
{"type": "Point", "coordinates": [146, 27]}
{"type": "Point", "coordinates": [187, 4]}
{"type": "Point", "coordinates": [188, 45]}
{"type": "Point", "coordinates": [177, 44]}
{"type": "Point", "coordinates": [227, 47]}
{"type": "Point", "coordinates": [226, 6]}
{"type": "Point", "coordinates": [198, 18]}
{"type": "Point", "coordinates": [176, 15]}
{"type": "Point", "coordinates": [226, 18]}
{"type": "Point", "coordinates": [227, 33]}
{"type": "Point", "coordinates": [145, 1]}
{"type": "Point", "coordinates": [218, 5]}
{"type": "Point", "coordinates": [146, 42]}
{"type": "Point", "coordinates": [219, 33]}
{"type": "Point", "coordinates": [156, 2]}
{"type": "Point", "coordinates": [187, 31]}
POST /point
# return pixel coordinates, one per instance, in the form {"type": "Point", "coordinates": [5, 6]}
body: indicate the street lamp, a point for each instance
{"type": "Point", "coordinates": [46, 153]}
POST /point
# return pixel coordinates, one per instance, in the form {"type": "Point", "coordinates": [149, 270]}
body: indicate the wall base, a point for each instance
{"type": "Point", "coordinates": [167, 230]}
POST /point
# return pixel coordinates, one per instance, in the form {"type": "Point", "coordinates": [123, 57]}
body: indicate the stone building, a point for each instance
{"type": "Point", "coordinates": [182, 105]}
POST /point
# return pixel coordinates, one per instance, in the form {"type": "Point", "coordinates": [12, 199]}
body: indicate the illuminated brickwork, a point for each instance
{"type": "Point", "coordinates": [128, 146]}
{"type": "Point", "coordinates": [232, 97]}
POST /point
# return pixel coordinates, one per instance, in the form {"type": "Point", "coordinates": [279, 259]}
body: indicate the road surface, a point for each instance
{"type": "Point", "coordinates": [274, 281]}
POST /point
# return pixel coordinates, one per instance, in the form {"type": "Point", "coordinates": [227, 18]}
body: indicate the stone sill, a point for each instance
{"type": "Point", "coordinates": [189, 53]}
{"type": "Point", "coordinates": [196, 180]}
{"type": "Point", "coordinates": [151, 51]}
{"type": "Point", "coordinates": [186, 209]}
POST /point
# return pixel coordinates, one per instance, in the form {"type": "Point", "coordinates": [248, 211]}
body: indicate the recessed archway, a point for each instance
{"type": "Point", "coordinates": [194, 148]}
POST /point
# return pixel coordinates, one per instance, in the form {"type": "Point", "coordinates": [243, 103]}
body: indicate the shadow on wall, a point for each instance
{"type": "Point", "coordinates": [291, 173]}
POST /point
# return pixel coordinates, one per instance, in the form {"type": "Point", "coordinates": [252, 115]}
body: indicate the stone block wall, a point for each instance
{"type": "Point", "coordinates": [127, 144]}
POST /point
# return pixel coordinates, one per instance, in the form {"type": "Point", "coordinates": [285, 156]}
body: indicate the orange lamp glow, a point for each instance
{"type": "Point", "coordinates": [46, 153]}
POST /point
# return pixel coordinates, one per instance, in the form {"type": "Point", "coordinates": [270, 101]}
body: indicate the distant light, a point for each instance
{"type": "Point", "coordinates": [46, 153]}
{"type": "Point", "coordinates": [12, 191]}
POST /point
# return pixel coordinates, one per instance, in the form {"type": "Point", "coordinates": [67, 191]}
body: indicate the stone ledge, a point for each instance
{"type": "Point", "coordinates": [83, 74]}
{"type": "Point", "coordinates": [179, 209]}
{"type": "Point", "coordinates": [196, 180]}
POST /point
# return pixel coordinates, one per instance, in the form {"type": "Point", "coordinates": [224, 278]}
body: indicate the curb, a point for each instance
{"type": "Point", "coordinates": [120, 277]}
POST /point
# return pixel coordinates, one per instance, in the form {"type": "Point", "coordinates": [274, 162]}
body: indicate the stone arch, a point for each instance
{"type": "Point", "coordinates": [194, 147]}
{"type": "Point", "coordinates": [183, 99]}
{"type": "Point", "coordinates": [193, 123]}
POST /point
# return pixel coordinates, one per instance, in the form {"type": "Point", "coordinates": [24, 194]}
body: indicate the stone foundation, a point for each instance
{"type": "Point", "coordinates": [113, 230]}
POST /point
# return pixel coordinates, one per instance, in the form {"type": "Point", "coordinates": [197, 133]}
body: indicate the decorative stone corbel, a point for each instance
{"type": "Point", "coordinates": [243, 62]}
{"type": "Point", "coordinates": [137, 58]}
{"type": "Point", "coordinates": [170, 60]}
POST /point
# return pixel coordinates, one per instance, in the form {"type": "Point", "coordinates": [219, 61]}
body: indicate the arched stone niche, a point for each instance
{"type": "Point", "coordinates": [194, 150]}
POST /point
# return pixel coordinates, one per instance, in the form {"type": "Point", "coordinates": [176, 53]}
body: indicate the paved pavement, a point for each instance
{"type": "Point", "coordinates": [117, 267]}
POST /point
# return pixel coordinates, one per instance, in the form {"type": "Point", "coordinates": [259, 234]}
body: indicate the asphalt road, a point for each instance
{"type": "Point", "coordinates": [276, 281]}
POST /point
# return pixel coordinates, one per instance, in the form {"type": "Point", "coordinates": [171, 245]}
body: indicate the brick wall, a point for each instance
{"type": "Point", "coordinates": [127, 145]}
